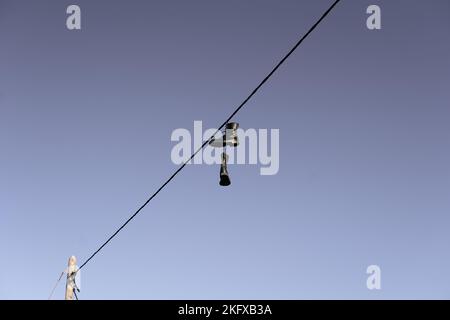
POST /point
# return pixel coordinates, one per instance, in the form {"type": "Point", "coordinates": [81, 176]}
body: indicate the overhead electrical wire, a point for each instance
{"type": "Point", "coordinates": [219, 129]}
{"type": "Point", "coordinates": [56, 284]}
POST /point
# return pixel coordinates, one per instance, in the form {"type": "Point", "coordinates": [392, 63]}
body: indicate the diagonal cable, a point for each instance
{"type": "Point", "coordinates": [219, 129]}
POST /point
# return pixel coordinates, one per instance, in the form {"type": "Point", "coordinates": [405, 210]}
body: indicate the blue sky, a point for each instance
{"type": "Point", "coordinates": [85, 124]}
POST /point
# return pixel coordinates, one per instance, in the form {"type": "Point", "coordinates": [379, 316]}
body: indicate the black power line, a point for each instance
{"type": "Point", "coordinates": [220, 128]}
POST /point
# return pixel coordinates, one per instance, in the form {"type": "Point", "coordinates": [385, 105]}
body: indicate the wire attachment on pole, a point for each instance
{"type": "Point", "coordinates": [73, 279]}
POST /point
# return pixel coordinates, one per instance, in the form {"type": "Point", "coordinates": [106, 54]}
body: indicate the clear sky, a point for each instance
{"type": "Point", "coordinates": [85, 124]}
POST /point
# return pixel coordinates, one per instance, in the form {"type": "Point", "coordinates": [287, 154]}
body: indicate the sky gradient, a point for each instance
{"type": "Point", "coordinates": [85, 124]}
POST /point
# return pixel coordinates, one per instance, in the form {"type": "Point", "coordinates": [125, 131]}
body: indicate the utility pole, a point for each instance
{"type": "Point", "coordinates": [71, 283]}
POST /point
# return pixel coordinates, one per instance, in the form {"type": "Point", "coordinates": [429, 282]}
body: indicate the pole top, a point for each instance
{"type": "Point", "coordinates": [72, 261]}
